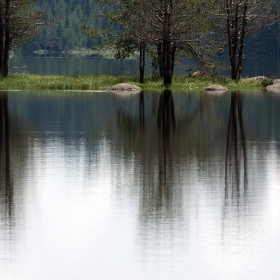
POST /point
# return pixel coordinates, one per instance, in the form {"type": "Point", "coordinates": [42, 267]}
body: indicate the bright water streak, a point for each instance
{"type": "Point", "coordinates": [96, 186]}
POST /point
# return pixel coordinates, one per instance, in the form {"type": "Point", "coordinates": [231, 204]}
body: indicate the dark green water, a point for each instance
{"type": "Point", "coordinates": [150, 186]}
{"type": "Point", "coordinates": [72, 66]}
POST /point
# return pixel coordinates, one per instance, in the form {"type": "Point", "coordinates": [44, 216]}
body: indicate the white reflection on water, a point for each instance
{"type": "Point", "coordinates": [72, 225]}
{"type": "Point", "coordinates": [111, 215]}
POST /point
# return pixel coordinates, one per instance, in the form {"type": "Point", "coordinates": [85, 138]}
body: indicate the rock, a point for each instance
{"type": "Point", "coordinates": [196, 74]}
{"type": "Point", "coordinates": [125, 89]}
{"type": "Point", "coordinates": [274, 88]}
{"type": "Point", "coordinates": [199, 74]}
{"type": "Point", "coordinates": [258, 78]}
{"type": "Point", "coordinates": [216, 88]}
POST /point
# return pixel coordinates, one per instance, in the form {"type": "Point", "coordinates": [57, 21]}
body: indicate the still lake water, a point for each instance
{"type": "Point", "coordinates": [72, 66]}
{"type": "Point", "coordinates": [152, 186]}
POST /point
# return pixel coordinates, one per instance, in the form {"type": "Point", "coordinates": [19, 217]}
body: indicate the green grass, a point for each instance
{"type": "Point", "coordinates": [102, 82]}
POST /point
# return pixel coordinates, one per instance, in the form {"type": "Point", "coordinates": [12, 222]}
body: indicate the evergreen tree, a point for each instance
{"type": "Point", "coordinates": [19, 22]}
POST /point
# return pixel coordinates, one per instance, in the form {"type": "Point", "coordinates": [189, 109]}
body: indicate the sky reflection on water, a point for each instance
{"type": "Point", "coordinates": [153, 186]}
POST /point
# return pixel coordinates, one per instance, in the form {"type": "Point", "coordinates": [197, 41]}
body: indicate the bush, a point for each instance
{"type": "Point", "coordinates": [266, 82]}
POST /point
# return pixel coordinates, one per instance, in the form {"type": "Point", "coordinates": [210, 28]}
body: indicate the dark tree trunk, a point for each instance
{"type": "Point", "coordinates": [167, 65]}
{"type": "Point", "coordinates": [167, 44]}
{"type": "Point", "coordinates": [173, 52]}
{"type": "Point", "coordinates": [1, 37]}
{"type": "Point", "coordinates": [236, 31]}
{"type": "Point", "coordinates": [7, 40]}
{"type": "Point", "coordinates": [160, 59]}
{"type": "Point", "coordinates": [242, 44]}
{"type": "Point", "coordinates": [142, 61]}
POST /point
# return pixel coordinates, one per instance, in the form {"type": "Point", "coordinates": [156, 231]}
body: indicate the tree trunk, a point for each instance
{"type": "Point", "coordinates": [236, 31]}
{"type": "Point", "coordinates": [173, 52]}
{"type": "Point", "coordinates": [166, 46]}
{"type": "Point", "coordinates": [160, 59]}
{"type": "Point", "coordinates": [1, 38]}
{"type": "Point", "coordinates": [167, 67]}
{"type": "Point", "coordinates": [242, 44]}
{"type": "Point", "coordinates": [7, 40]}
{"type": "Point", "coordinates": [142, 61]}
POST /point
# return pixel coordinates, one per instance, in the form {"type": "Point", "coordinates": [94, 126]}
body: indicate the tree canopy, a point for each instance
{"type": "Point", "coordinates": [18, 23]}
{"type": "Point", "coordinates": [236, 20]}
{"type": "Point", "coordinates": [169, 25]}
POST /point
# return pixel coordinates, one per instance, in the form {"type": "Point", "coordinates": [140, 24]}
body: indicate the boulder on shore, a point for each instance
{"type": "Point", "coordinates": [216, 88]}
{"type": "Point", "coordinates": [258, 78]}
{"type": "Point", "coordinates": [125, 89]}
{"type": "Point", "coordinates": [200, 74]}
{"type": "Point", "coordinates": [274, 88]}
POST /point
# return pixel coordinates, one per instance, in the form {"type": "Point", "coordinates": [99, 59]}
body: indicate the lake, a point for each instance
{"type": "Point", "coordinates": [74, 66]}
{"type": "Point", "coordinates": [159, 185]}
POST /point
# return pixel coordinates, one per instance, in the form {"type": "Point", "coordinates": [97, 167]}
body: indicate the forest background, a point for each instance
{"type": "Point", "coordinates": [67, 36]}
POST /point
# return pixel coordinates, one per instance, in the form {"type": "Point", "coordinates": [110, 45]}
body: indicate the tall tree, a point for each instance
{"type": "Point", "coordinates": [168, 24]}
{"type": "Point", "coordinates": [239, 19]}
{"type": "Point", "coordinates": [178, 24]}
{"type": "Point", "coordinates": [18, 23]}
{"type": "Point", "coordinates": [131, 18]}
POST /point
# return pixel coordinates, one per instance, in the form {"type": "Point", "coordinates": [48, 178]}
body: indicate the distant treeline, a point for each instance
{"type": "Point", "coordinates": [69, 15]}
{"type": "Point", "coordinates": [66, 32]}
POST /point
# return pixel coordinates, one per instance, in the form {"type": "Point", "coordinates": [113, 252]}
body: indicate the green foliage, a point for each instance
{"type": "Point", "coordinates": [266, 82]}
{"type": "Point", "coordinates": [125, 46]}
{"type": "Point", "coordinates": [66, 32]}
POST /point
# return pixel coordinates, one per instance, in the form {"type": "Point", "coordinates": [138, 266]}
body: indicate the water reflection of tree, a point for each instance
{"type": "Point", "coordinates": [236, 159]}
{"type": "Point", "coordinates": [13, 154]}
{"type": "Point", "coordinates": [161, 145]}
{"type": "Point", "coordinates": [166, 128]}
{"type": "Point", "coordinates": [5, 167]}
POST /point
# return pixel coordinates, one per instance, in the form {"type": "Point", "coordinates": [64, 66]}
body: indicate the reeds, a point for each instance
{"type": "Point", "coordinates": [102, 82]}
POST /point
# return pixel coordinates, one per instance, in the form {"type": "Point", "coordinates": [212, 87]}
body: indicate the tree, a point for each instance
{"type": "Point", "coordinates": [177, 24]}
{"type": "Point", "coordinates": [127, 35]}
{"type": "Point", "coordinates": [18, 23]}
{"type": "Point", "coordinates": [166, 24]}
{"type": "Point", "coordinates": [240, 19]}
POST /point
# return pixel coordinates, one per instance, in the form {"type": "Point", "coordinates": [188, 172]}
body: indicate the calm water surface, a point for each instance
{"type": "Point", "coordinates": [72, 66]}
{"type": "Point", "coordinates": [151, 186]}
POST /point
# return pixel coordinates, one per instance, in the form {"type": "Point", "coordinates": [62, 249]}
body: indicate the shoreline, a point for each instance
{"type": "Point", "coordinates": [103, 82]}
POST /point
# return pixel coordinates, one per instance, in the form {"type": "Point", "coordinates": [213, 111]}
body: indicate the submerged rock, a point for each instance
{"type": "Point", "coordinates": [275, 88]}
{"type": "Point", "coordinates": [216, 88]}
{"type": "Point", "coordinates": [125, 89]}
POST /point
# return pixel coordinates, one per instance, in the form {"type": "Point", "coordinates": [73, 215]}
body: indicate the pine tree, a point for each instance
{"type": "Point", "coordinates": [19, 22]}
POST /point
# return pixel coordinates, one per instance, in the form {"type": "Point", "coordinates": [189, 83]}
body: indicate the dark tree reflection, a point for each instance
{"type": "Point", "coordinates": [142, 110]}
{"type": "Point", "coordinates": [6, 182]}
{"type": "Point", "coordinates": [161, 139]}
{"type": "Point", "coordinates": [166, 128]}
{"type": "Point", "coordinates": [236, 160]}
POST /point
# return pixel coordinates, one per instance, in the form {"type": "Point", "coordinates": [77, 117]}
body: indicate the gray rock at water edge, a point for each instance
{"type": "Point", "coordinates": [216, 88]}
{"type": "Point", "coordinates": [258, 78]}
{"type": "Point", "coordinates": [125, 88]}
{"type": "Point", "coordinates": [274, 88]}
{"type": "Point", "coordinates": [199, 74]}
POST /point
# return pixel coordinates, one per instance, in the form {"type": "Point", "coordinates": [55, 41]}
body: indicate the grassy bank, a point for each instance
{"type": "Point", "coordinates": [36, 82]}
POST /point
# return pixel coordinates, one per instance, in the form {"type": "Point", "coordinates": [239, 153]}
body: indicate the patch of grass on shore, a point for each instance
{"type": "Point", "coordinates": [102, 82]}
